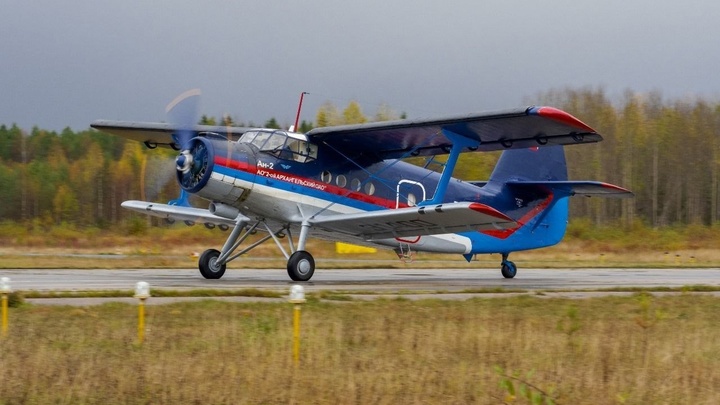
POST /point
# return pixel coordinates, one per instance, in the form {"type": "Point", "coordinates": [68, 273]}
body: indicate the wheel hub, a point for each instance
{"type": "Point", "coordinates": [213, 265]}
{"type": "Point", "coordinates": [303, 266]}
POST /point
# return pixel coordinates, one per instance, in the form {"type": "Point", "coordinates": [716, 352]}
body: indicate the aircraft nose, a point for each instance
{"type": "Point", "coordinates": [195, 164]}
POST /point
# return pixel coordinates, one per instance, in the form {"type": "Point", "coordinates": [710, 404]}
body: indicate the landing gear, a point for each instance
{"type": "Point", "coordinates": [301, 266]}
{"type": "Point", "coordinates": [508, 268]}
{"type": "Point", "coordinates": [209, 266]}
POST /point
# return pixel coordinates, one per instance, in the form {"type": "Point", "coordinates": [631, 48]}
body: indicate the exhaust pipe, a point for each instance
{"type": "Point", "coordinates": [224, 210]}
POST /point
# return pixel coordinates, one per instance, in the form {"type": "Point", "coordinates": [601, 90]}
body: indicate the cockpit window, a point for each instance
{"type": "Point", "coordinates": [302, 151]}
{"type": "Point", "coordinates": [281, 145]}
{"type": "Point", "coordinates": [258, 140]}
{"type": "Point", "coordinates": [275, 143]}
{"type": "Point", "coordinates": [248, 137]}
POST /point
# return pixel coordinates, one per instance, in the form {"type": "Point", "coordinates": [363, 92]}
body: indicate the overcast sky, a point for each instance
{"type": "Point", "coordinates": [67, 63]}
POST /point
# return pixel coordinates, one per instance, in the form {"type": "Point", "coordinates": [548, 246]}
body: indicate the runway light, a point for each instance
{"type": "Point", "coordinates": [142, 292]}
{"type": "Point", "coordinates": [297, 297]}
{"type": "Point", "coordinates": [5, 289]}
{"type": "Point", "coordinates": [297, 294]}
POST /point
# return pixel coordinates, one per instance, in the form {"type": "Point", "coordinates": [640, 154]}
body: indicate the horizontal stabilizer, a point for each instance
{"type": "Point", "coordinates": [573, 188]}
{"type": "Point", "coordinates": [417, 221]}
{"type": "Point", "coordinates": [179, 213]}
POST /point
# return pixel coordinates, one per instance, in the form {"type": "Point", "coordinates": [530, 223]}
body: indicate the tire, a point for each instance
{"type": "Point", "coordinates": [208, 265]}
{"type": "Point", "coordinates": [301, 266]}
{"type": "Point", "coordinates": [508, 269]}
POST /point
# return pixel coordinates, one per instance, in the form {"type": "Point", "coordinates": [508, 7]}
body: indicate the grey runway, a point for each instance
{"type": "Point", "coordinates": [377, 280]}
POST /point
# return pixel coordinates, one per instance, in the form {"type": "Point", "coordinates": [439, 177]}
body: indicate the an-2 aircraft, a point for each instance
{"type": "Point", "coordinates": [349, 183]}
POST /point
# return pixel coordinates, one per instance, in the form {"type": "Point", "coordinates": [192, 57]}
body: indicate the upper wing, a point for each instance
{"type": "Point", "coordinates": [176, 212]}
{"type": "Point", "coordinates": [160, 134]}
{"type": "Point", "coordinates": [416, 221]}
{"type": "Point", "coordinates": [520, 128]}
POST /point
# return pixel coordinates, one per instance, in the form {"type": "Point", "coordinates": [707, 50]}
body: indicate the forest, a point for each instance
{"type": "Point", "coordinates": [666, 151]}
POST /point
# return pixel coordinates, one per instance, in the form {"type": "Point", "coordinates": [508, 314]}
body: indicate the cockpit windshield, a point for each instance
{"type": "Point", "coordinates": [281, 144]}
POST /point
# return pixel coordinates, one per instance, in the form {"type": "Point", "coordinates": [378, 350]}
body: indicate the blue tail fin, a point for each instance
{"type": "Point", "coordinates": [534, 164]}
{"type": "Point", "coordinates": [541, 214]}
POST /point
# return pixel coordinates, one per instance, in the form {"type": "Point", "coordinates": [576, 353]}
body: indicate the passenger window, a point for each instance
{"type": "Point", "coordinates": [326, 176]}
{"type": "Point", "coordinates": [355, 184]}
{"type": "Point", "coordinates": [341, 180]}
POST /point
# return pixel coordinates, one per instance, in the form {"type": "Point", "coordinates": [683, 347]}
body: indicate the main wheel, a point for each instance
{"type": "Point", "coordinates": [301, 266]}
{"type": "Point", "coordinates": [208, 265]}
{"type": "Point", "coordinates": [508, 269]}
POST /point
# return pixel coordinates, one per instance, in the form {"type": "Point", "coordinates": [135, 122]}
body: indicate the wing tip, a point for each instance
{"type": "Point", "coordinates": [559, 115]}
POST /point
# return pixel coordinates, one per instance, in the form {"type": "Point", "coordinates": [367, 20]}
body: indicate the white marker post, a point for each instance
{"type": "Point", "coordinates": [142, 292]}
{"type": "Point", "coordinates": [5, 290]}
{"type": "Point", "coordinates": [297, 298]}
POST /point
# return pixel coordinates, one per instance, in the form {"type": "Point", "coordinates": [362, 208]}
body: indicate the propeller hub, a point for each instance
{"type": "Point", "coordinates": [184, 161]}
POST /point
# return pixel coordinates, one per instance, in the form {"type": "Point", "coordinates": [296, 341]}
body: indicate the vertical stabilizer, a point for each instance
{"type": "Point", "coordinates": [533, 164]}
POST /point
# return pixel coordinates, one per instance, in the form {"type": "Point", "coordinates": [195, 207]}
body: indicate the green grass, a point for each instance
{"type": "Point", "coordinates": [637, 349]}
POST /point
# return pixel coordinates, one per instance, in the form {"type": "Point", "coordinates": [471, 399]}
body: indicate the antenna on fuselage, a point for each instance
{"type": "Point", "coordinates": [297, 117]}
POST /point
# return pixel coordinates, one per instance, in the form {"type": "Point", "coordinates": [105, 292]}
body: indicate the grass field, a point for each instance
{"type": "Point", "coordinates": [612, 350]}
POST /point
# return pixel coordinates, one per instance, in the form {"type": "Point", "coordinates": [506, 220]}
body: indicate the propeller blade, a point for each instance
{"type": "Point", "coordinates": [183, 112]}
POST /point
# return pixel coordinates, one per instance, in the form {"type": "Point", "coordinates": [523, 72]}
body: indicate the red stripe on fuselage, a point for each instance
{"type": "Point", "coordinates": [306, 182]}
{"type": "Point", "coordinates": [234, 164]}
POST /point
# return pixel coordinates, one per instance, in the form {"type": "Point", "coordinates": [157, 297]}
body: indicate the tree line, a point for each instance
{"type": "Point", "coordinates": [666, 152]}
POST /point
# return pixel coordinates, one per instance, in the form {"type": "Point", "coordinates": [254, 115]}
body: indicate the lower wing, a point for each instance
{"type": "Point", "coordinates": [180, 213]}
{"type": "Point", "coordinates": [416, 221]}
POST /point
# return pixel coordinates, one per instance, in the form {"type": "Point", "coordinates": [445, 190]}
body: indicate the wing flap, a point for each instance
{"type": "Point", "coordinates": [177, 212]}
{"type": "Point", "coordinates": [577, 188]}
{"type": "Point", "coordinates": [416, 221]}
{"type": "Point", "coordinates": [160, 134]}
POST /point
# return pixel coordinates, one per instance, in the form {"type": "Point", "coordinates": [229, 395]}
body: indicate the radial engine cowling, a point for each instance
{"type": "Point", "coordinates": [197, 169]}
{"type": "Point", "coordinates": [195, 164]}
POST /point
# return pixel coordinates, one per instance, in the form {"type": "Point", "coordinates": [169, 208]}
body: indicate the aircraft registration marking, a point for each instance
{"type": "Point", "coordinates": [291, 179]}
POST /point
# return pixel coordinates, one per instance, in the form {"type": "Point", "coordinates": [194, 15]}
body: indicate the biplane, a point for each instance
{"type": "Point", "coordinates": [354, 184]}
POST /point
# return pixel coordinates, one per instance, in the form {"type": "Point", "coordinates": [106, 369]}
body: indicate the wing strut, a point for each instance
{"type": "Point", "coordinates": [458, 144]}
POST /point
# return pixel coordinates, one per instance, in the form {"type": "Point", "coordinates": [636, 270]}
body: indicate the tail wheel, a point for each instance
{"type": "Point", "coordinates": [301, 266]}
{"type": "Point", "coordinates": [508, 269]}
{"type": "Point", "coordinates": [208, 265]}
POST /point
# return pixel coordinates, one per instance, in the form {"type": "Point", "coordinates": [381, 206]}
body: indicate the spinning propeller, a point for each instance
{"type": "Point", "coordinates": [193, 162]}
